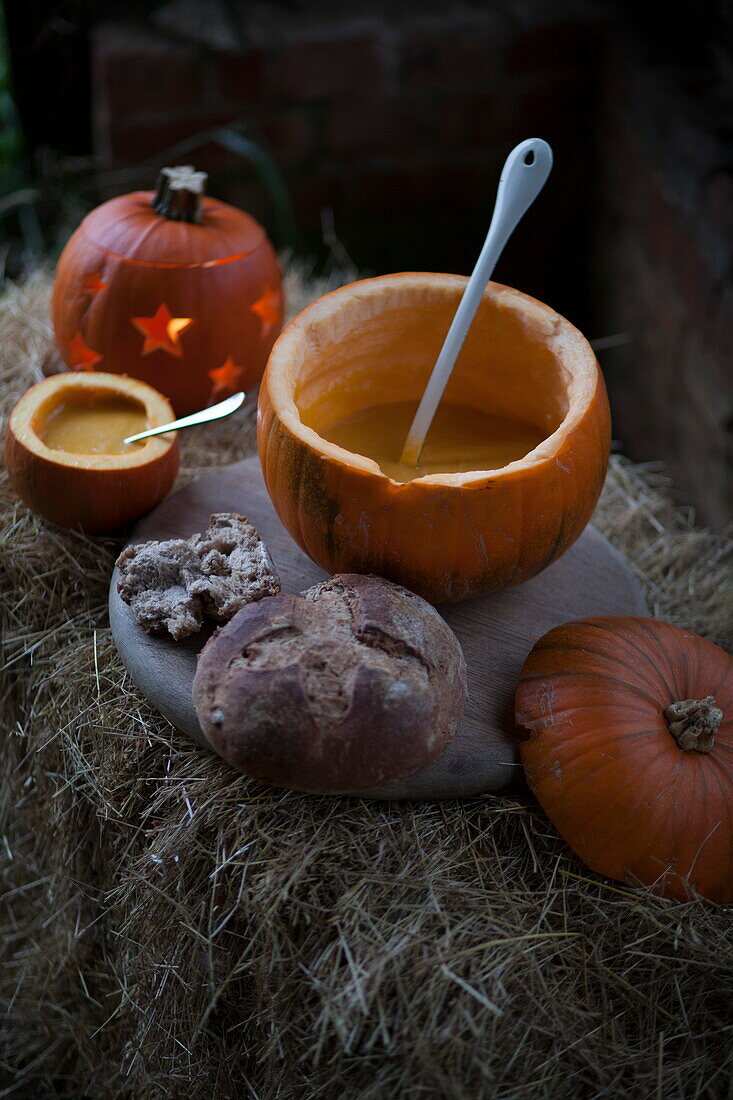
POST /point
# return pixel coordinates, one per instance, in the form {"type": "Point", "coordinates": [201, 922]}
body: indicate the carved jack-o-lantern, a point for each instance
{"type": "Point", "coordinates": [172, 287]}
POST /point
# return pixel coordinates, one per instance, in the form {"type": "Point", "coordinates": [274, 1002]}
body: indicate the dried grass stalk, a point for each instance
{"type": "Point", "coordinates": [173, 929]}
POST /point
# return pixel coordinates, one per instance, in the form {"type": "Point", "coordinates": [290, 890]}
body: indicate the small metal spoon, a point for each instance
{"type": "Point", "coordinates": [224, 408]}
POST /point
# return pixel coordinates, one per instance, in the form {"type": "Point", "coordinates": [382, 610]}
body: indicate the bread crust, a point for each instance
{"type": "Point", "coordinates": [354, 683]}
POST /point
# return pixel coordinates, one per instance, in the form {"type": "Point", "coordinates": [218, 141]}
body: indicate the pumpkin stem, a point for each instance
{"type": "Point", "coordinates": [693, 723]}
{"type": "Point", "coordinates": [178, 193]}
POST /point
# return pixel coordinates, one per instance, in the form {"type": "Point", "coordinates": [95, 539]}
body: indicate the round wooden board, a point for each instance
{"type": "Point", "coordinates": [496, 632]}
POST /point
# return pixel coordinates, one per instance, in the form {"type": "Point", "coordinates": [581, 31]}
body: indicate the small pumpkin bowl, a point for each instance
{"type": "Point", "coordinates": [446, 536]}
{"type": "Point", "coordinates": [90, 492]}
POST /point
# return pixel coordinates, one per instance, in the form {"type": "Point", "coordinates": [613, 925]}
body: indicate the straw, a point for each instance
{"type": "Point", "coordinates": [170, 928]}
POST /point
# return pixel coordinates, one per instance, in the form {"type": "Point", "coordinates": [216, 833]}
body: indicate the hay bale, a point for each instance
{"type": "Point", "coordinates": [171, 928]}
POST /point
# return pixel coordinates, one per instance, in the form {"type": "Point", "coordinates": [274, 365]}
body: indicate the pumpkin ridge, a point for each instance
{"type": "Point", "coordinates": [700, 685]}
{"type": "Point", "coordinates": [683, 820]}
{"type": "Point", "coordinates": [685, 878]}
{"type": "Point", "coordinates": [643, 625]}
{"type": "Point", "coordinates": [312, 498]}
{"type": "Point", "coordinates": [116, 225]}
{"type": "Point", "coordinates": [557, 542]}
{"type": "Point", "coordinates": [574, 708]}
{"type": "Point", "coordinates": [627, 638]}
{"type": "Point", "coordinates": [516, 549]}
{"type": "Point", "coordinates": [600, 656]}
{"type": "Point", "coordinates": [166, 264]}
{"type": "Point", "coordinates": [575, 751]}
{"type": "Point", "coordinates": [724, 800]}
{"type": "Point", "coordinates": [721, 692]}
{"type": "Point", "coordinates": [599, 676]}
{"type": "Point", "coordinates": [604, 807]}
{"type": "Point", "coordinates": [686, 678]}
{"type": "Point", "coordinates": [602, 727]}
{"type": "Point", "coordinates": [727, 699]}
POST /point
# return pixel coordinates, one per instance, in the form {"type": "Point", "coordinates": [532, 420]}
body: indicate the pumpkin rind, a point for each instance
{"type": "Point", "coordinates": [604, 765]}
{"type": "Point", "coordinates": [90, 493]}
{"type": "Point", "coordinates": [125, 261]}
{"type": "Point", "coordinates": [445, 536]}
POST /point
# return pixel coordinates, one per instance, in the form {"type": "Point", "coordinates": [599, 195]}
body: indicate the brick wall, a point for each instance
{"type": "Point", "coordinates": [663, 272]}
{"type": "Point", "coordinates": [398, 119]}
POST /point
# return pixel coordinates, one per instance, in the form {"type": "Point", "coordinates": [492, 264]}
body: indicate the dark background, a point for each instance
{"type": "Point", "coordinates": [378, 131]}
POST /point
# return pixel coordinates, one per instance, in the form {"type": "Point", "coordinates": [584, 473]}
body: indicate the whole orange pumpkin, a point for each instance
{"type": "Point", "coordinates": [630, 750]}
{"type": "Point", "coordinates": [172, 287]}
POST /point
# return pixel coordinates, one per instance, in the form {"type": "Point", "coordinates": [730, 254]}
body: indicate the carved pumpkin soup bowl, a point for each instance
{"type": "Point", "coordinates": [67, 459]}
{"type": "Point", "coordinates": [512, 467]}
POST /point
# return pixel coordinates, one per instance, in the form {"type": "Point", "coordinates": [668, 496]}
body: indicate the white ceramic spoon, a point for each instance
{"type": "Point", "coordinates": [214, 412]}
{"type": "Point", "coordinates": [523, 176]}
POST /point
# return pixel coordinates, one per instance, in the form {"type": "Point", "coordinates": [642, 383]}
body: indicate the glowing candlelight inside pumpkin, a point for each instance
{"type": "Point", "coordinates": [169, 287]}
{"type": "Point", "coordinates": [162, 331]}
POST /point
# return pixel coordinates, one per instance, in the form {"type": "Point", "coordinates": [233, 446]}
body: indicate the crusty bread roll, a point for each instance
{"type": "Point", "coordinates": [353, 683]}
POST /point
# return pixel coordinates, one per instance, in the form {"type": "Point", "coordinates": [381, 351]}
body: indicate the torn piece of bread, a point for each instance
{"type": "Point", "coordinates": [230, 549]}
{"type": "Point", "coordinates": [154, 579]}
{"type": "Point", "coordinates": [174, 585]}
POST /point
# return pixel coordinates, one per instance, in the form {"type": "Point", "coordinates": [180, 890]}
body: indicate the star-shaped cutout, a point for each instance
{"type": "Point", "coordinates": [162, 331]}
{"type": "Point", "coordinates": [94, 284]}
{"type": "Point", "coordinates": [226, 378]}
{"type": "Point", "coordinates": [268, 308]}
{"type": "Point", "coordinates": [82, 357]}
